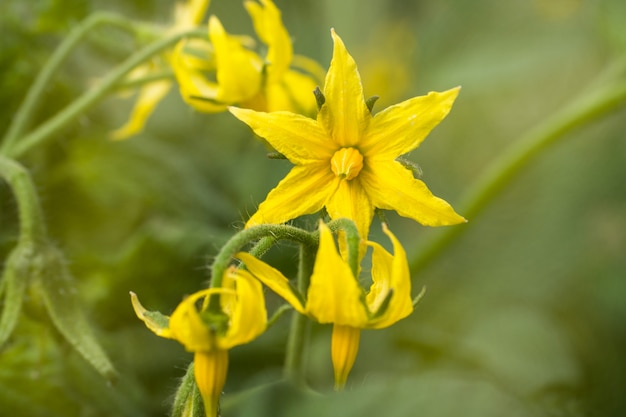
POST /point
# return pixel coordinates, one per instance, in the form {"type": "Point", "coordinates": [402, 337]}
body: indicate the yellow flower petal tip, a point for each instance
{"type": "Point", "coordinates": [156, 322]}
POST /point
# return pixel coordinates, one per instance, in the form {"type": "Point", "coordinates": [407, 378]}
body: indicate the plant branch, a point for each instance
{"type": "Point", "coordinates": [511, 162]}
{"type": "Point", "coordinates": [83, 103]}
{"type": "Point", "coordinates": [28, 107]}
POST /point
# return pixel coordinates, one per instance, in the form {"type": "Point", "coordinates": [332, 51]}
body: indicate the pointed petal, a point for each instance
{"type": "Point", "coordinates": [269, 27]}
{"type": "Point", "coordinates": [297, 137]}
{"type": "Point", "coordinates": [239, 70]}
{"type": "Point", "coordinates": [210, 370]}
{"type": "Point", "coordinates": [391, 186]}
{"type": "Point", "coordinates": [344, 114]}
{"type": "Point", "coordinates": [334, 295]}
{"type": "Point", "coordinates": [155, 321]}
{"type": "Point", "coordinates": [249, 316]}
{"type": "Point", "coordinates": [351, 201]}
{"type": "Point", "coordinates": [304, 190]}
{"type": "Point", "coordinates": [272, 278]}
{"type": "Point", "coordinates": [294, 93]}
{"type": "Point", "coordinates": [401, 128]}
{"type": "Point", "coordinates": [147, 100]}
{"type": "Point", "coordinates": [310, 67]}
{"type": "Point", "coordinates": [189, 14]}
{"type": "Point", "coordinates": [344, 347]}
{"type": "Point", "coordinates": [389, 273]}
{"type": "Point", "coordinates": [195, 88]}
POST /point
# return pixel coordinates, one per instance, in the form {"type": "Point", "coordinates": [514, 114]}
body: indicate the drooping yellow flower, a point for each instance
{"type": "Point", "coordinates": [335, 296]}
{"type": "Point", "coordinates": [210, 335]}
{"type": "Point", "coordinates": [243, 77]}
{"type": "Point", "coordinates": [345, 160]}
{"type": "Point", "coordinates": [186, 16]}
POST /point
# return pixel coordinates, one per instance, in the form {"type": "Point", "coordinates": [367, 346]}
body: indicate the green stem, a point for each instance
{"type": "Point", "coordinates": [243, 238]}
{"type": "Point", "coordinates": [32, 225]}
{"type": "Point", "coordinates": [140, 82]}
{"type": "Point", "coordinates": [503, 169]}
{"type": "Point", "coordinates": [91, 97]}
{"type": "Point", "coordinates": [299, 331]}
{"type": "Point", "coordinates": [353, 241]}
{"type": "Point", "coordinates": [28, 107]}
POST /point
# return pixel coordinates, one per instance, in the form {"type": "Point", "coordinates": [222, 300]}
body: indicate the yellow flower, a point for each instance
{"type": "Point", "coordinates": [346, 159]}
{"type": "Point", "coordinates": [243, 77]}
{"type": "Point", "coordinates": [186, 16]}
{"type": "Point", "coordinates": [335, 296]}
{"type": "Point", "coordinates": [210, 335]}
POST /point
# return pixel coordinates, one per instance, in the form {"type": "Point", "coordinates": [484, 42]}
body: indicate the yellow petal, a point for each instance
{"type": "Point", "coordinates": [293, 93]}
{"type": "Point", "coordinates": [401, 128]}
{"type": "Point", "coordinates": [156, 322]}
{"type": "Point", "coordinates": [210, 370]}
{"type": "Point", "coordinates": [270, 29]}
{"type": "Point", "coordinates": [249, 316]}
{"type": "Point", "coordinates": [189, 14]}
{"type": "Point", "coordinates": [303, 191]}
{"type": "Point", "coordinates": [389, 273]}
{"type": "Point", "coordinates": [309, 66]}
{"type": "Point", "coordinates": [188, 328]}
{"type": "Point", "coordinates": [239, 70]}
{"type": "Point", "coordinates": [147, 100]}
{"type": "Point", "coordinates": [391, 186]}
{"type": "Point", "coordinates": [351, 201]}
{"type": "Point", "coordinates": [344, 347]}
{"type": "Point", "coordinates": [299, 138]}
{"type": "Point", "coordinates": [334, 294]}
{"type": "Point", "coordinates": [195, 88]}
{"type": "Point", "coordinates": [272, 278]}
{"type": "Point", "coordinates": [344, 114]}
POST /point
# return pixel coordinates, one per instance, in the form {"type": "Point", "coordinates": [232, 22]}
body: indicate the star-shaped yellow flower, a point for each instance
{"type": "Point", "coordinates": [345, 160]}
{"type": "Point", "coordinates": [210, 335]}
{"type": "Point", "coordinates": [243, 77]}
{"type": "Point", "coordinates": [335, 296]}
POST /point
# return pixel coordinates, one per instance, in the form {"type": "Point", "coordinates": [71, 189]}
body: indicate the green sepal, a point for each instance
{"type": "Point", "coordinates": [413, 166]}
{"type": "Point", "coordinates": [188, 401]}
{"type": "Point", "coordinates": [278, 313]}
{"type": "Point", "coordinates": [276, 155]}
{"type": "Point", "coordinates": [54, 286]}
{"type": "Point", "coordinates": [370, 102]}
{"type": "Point", "coordinates": [419, 296]}
{"type": "Point", "coordinates": [320, 99]}
{"type": "Point", "coordinates": [382, 309]}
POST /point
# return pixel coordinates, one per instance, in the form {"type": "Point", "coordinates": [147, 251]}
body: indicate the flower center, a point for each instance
{"type": "Point", "coordinates": [347, 163]}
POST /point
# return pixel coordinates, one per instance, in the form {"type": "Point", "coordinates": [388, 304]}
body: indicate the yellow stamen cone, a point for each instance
{"type": "Point", "coordinates": [344, 347]}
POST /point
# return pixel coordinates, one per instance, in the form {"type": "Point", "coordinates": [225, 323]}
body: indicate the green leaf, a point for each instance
{"type": "Point", "coordinates": [13, 288]}
{"type": "Point", "coordinates": [55, 286]}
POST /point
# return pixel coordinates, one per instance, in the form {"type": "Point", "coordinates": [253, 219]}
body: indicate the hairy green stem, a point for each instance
{"type": "Point", "coordinates": [353, 241]}
{"type": "Point", "coordinates": [246, 236]}
{"type": "Point", "coordinates": [83, 103]}
{"type": "Point", "coordinates": [503, 169]}
{"type": "Point", "coordinates": [32, 225]}
{"type": "Point", "coordinates": [299, 331]}
{"type": "Point", "coordinates": [33, 97]}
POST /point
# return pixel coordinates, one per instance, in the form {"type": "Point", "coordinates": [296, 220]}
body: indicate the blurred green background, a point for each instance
{"type": "Point", "coordinates": [525, 313]}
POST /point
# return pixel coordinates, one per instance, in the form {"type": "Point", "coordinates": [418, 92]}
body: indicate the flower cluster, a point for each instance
{"type": "Point", "coordinates": [346, 164]}
{"type": "Point", "coordinates": [223, 70]}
